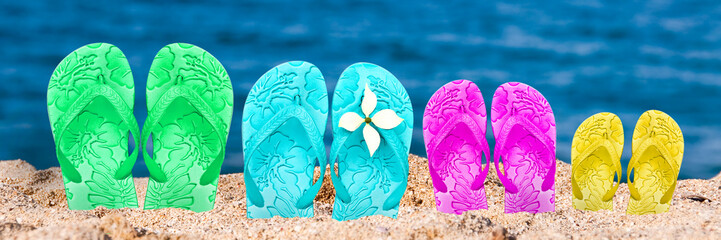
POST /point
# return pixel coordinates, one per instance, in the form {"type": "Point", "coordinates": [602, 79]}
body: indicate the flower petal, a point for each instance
{"type": "Point", "coordinates": [372, 138]}
{"type": "Point", "coordinates": [368, 104]}
{"type": "Point", "coordinates": [350, 121]}
{"type": "Point", "coordinates": [386, 119]}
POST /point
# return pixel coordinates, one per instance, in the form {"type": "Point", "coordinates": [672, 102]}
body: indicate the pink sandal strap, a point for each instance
{"type": "Point", "coordinates": [443, 133]}
{"type": "Point", "coordinates": [512, 121]}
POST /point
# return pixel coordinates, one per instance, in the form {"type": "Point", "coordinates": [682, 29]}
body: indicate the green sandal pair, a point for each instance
{"type": "Point", "coordinates": [90, 105]}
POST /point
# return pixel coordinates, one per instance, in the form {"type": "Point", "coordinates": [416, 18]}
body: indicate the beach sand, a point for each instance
{"type": "Point", "coordinates": [33, 206]}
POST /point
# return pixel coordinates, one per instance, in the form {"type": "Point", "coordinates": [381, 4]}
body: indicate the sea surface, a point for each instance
{"type": "Point", "coordinates": [624, 57]}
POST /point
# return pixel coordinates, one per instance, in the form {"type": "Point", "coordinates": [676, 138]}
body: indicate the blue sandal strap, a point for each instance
{"type": "Point", "coordinates": [397, 194]}
{"type": "Point", "coordinates": [316, 140]}
{"type": "Point", "coordinates": [340, 190]}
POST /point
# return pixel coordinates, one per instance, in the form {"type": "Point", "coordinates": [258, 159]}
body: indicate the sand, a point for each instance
{"type": "Point", "coordinates": [33, 206]}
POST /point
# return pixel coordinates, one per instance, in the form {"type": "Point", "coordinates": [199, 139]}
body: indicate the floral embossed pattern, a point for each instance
{"type": "Point", "coordinates": [525, 131]}
{"type": "Point", "coordinates": [657, 155]}
{"type": "Point", "coordinates": [456, 155]}
{"type": "Point", "coordinates": [596, 153]}
{"type": "Point", "coordinates": [282, 164]}
{"type": "Point", "coordinates": [370, 179]}
{"type": "Point", "coordinates": [191, 99]}
{"type": "Point", "coordinates": [91, 132]}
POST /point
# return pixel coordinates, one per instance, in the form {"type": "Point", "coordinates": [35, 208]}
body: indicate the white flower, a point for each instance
{"type": "Point", "coordinates": [385, 119]}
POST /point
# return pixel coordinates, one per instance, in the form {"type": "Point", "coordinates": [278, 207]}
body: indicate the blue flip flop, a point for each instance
{"type": "Point", "coordinates": [372, 128]}
{"type": "Point", "coordinates": [284, 120]}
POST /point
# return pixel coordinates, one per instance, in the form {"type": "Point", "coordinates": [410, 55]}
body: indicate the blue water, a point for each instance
{"type": "Point", "coordinates": [585, 56]}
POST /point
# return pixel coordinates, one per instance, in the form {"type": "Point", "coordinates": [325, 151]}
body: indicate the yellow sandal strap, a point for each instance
{"type": "Point", "coordinates": [666, 155]}
{"type": "Point", "coordinates": [617, 168]}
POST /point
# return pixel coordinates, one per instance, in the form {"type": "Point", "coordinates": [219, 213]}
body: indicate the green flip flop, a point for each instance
{"type": "Point", "coordinates": [190, 104]}
{"type": "Point", "coordinates": [90, 105]}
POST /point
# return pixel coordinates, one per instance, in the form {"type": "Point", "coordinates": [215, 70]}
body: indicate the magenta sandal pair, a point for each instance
{"type": "Point", "coordinates": [454, 129]}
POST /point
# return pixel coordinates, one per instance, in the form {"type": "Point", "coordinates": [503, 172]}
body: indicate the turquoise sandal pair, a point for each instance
{"type": "Point", "coordinates": [90, 105]}
{"type": "Point", "coordinates": [284, 120]}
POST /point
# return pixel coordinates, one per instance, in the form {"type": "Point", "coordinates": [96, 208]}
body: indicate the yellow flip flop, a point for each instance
{"type": "Point", "coordinates": [656, 161]}
{"type": "Point", "coordinates": [596, 161]}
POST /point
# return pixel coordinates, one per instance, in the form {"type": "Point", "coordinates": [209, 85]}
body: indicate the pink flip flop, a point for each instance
{"type": "Point", "coordinates": [454, 130]}
{"type": "Point", "coordinates": [525, 132]}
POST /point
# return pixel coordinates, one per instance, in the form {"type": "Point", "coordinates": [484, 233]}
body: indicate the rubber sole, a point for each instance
{"type": "Point", "coordinates": [595, 155]}
{"type": "Point", "coordinates": [657, 155]}
{"type": "Point", "coordinates": [370, 180]}
{"type": "Point", "coordinates": [189, 134]}
{"type": "Point", "coordinates": [282, 165]}
{"type": "Point", "coordinates": [454, 151]}
{"type": "Point", "coordinates": [95, 139]}
{"type": "Point", "coordinates": [527, 158]}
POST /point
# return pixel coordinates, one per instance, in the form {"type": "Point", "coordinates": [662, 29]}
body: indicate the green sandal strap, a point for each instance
{"type": "Point", "coordinates": [316, 140]}
{"type": "Point", "coordinates": [104, 91]}
{"type": "Point", "coordinates": [157, 112]}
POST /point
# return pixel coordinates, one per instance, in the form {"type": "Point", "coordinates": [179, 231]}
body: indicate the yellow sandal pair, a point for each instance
{"type": "Point", "coordinates": [655, 164]}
